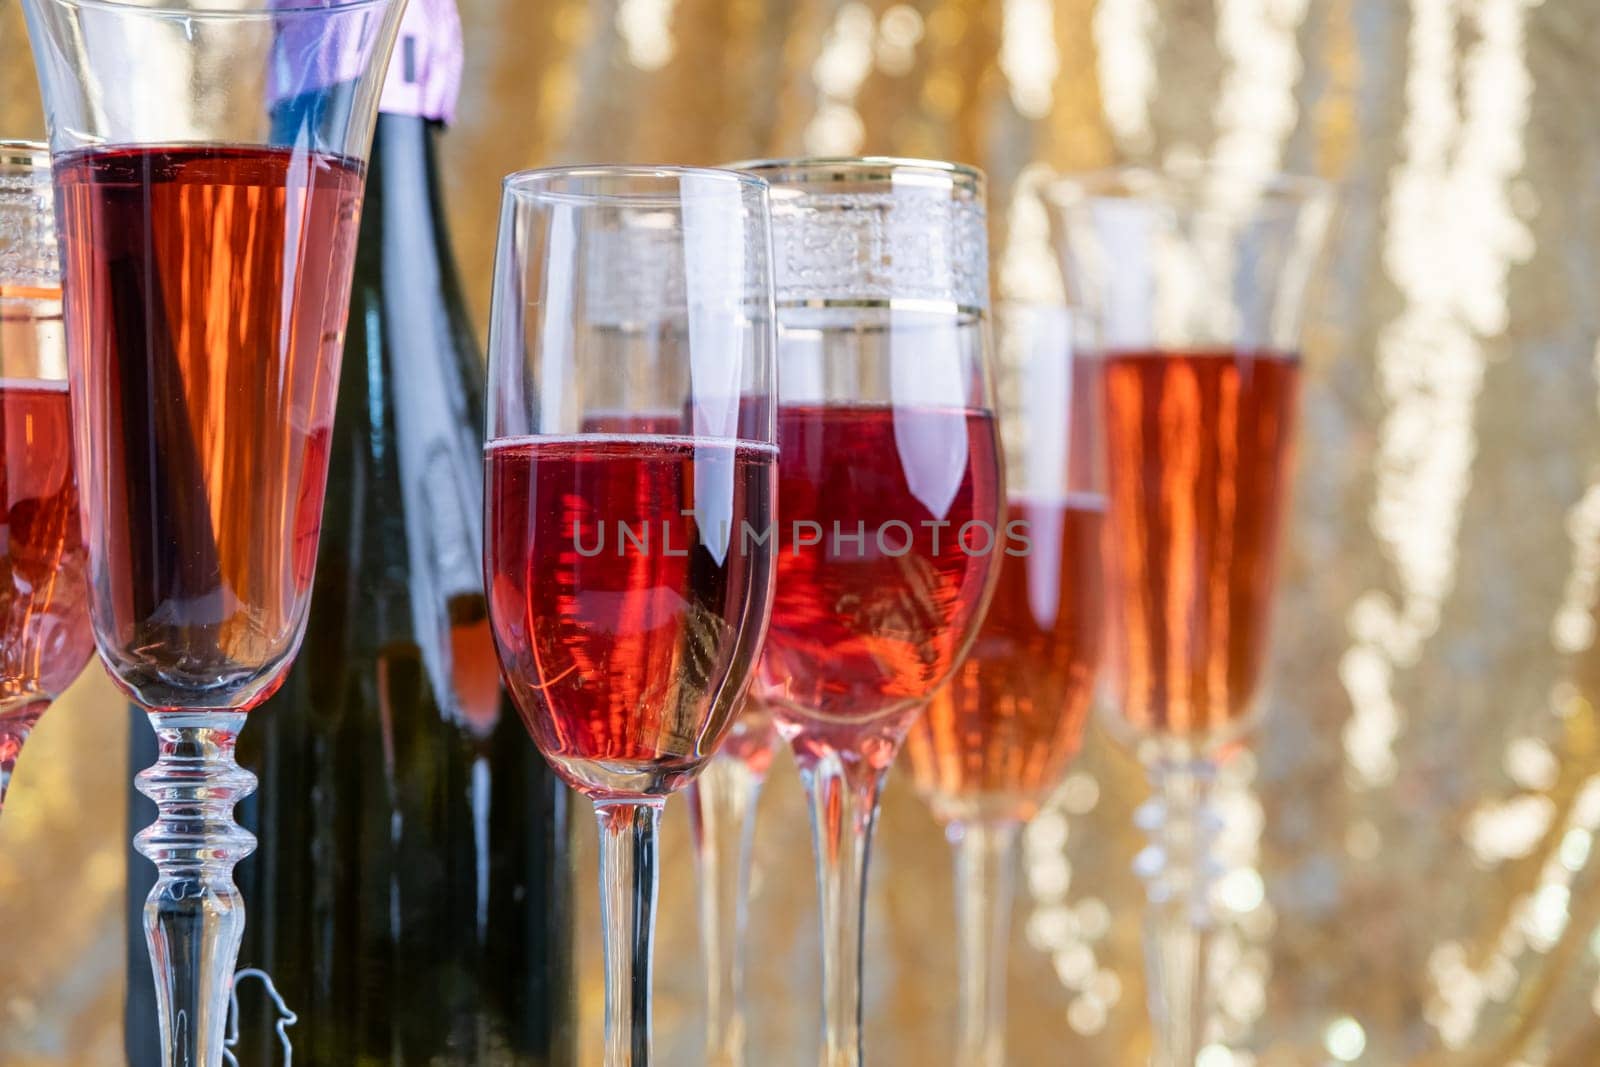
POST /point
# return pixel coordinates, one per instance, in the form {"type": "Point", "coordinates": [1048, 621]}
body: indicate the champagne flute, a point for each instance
{"type": "Point", "coordinates": [1196, 279]}
{"type": "Point", "coordinates": [44, 597]}
{"type": "Point", "coordinates": [722, 819]}
{"type": "Point", "coordinates": [631, 481]}
{"type": "Point", "coordinates": [891, 491]}
{"type": "Point", "coordinates": [997, 739]}
{"type": "Point", "coordinates": [208, 167]}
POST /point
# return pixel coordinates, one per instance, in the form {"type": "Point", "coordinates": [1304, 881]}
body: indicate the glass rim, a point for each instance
{"type": "Point", "coordinates": [206, 9]}
{"type": "Point", "coordinates": [23, 155]}
{"type": "Point", "coordinates": [1177, 184]}
{"type": "Point", "coordinates": [543, 184]}
{"type": "Point", "coordinates": [832, 169]}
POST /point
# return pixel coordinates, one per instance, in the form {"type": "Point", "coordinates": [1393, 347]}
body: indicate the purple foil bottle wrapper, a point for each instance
{"type": "Point", "coordinates": [424, 76]}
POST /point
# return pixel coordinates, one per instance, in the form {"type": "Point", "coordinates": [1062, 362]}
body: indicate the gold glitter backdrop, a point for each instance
{"type": "Point", "coordinates": [1411, 877]}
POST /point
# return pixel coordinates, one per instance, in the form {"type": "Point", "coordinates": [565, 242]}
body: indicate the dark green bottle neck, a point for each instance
{"type": "Point", "coordinates": [403, 181]}
{"type": "Point", "coordinates": [405, 242]}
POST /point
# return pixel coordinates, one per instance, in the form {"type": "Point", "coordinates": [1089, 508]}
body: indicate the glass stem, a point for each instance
{"type": "Point", "coordinates": [843, 792]}
{"type": "Point", "coordinates": [629, 876]}
{"type": "Point", "coordinates": [194, 917]}
{"type": "Point", "coordinates": [722, 813]}
{"type": "Point", "coordinates": [1179, 868]}
{"type": "Point", "coordinates": [16, 723]}
{"type": "Point", "coordinates": [986, 863]}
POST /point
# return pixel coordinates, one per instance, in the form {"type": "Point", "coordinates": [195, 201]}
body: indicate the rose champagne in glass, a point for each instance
{"type": "Point", "coordinates": [891, 492]}
{"type": "Point", "coordinates": [998, 737]}
{"type": "Point", "coordinates": [722, 818]}
{"type": "Point", "coordinates": [208, 165]}
{"type": "Point", "coordinates": [1196, 280]}
{"type": "Point", "coordinates": [44, 601]}
{"type": "Point", "coordinates": [631, 484]}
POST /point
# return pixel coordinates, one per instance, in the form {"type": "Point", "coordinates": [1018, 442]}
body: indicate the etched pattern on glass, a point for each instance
{"type": "Point", "coordinates": [646, 271]}
{"type": "Point", "coordinates": [27, 237]}
{"type": "Point", "coordinates": [906, 245]}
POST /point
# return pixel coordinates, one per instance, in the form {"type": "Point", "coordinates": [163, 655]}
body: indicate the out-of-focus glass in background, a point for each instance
{"type": "Point", "coordinates": [1412, 875]}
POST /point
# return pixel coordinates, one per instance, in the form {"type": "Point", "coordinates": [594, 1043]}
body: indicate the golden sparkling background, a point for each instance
{"type": "Point", "coordinates": [1411, 864]}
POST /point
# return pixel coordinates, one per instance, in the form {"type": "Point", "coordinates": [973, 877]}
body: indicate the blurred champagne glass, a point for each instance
{"type": "Point", "coordinates": [998, 738]}
{"type": "Point", "coordinates": [45, 638]}
{"type": "Point", "coordinates": [722, 815]}
{"type": "Point", "coordinates": [1196, 281]}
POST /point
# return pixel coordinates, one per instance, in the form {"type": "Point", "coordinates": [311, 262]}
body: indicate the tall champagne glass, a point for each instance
{"type": "Point", "coordinates": [208, 167]}
{"type": "Point", "coordinates": [631, 482]}
{"type": "Point", "coordinates": [722, 818]}
{"type": "Point", "coordinates": [891, 492]}
{"type": "Point", "coordinates": [1196, 280]}
{"type": "Point", "coordinates": [44, 599]}
{"type": "Point", "coordinates": [999, 736]}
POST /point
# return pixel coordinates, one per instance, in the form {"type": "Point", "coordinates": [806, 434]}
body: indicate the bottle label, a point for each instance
{"type": "Point", "coordinates": [424, 76]}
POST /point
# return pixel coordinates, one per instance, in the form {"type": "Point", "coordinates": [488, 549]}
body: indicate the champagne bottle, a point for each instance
{"type": "Point", "coordinates": [409, 901]}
